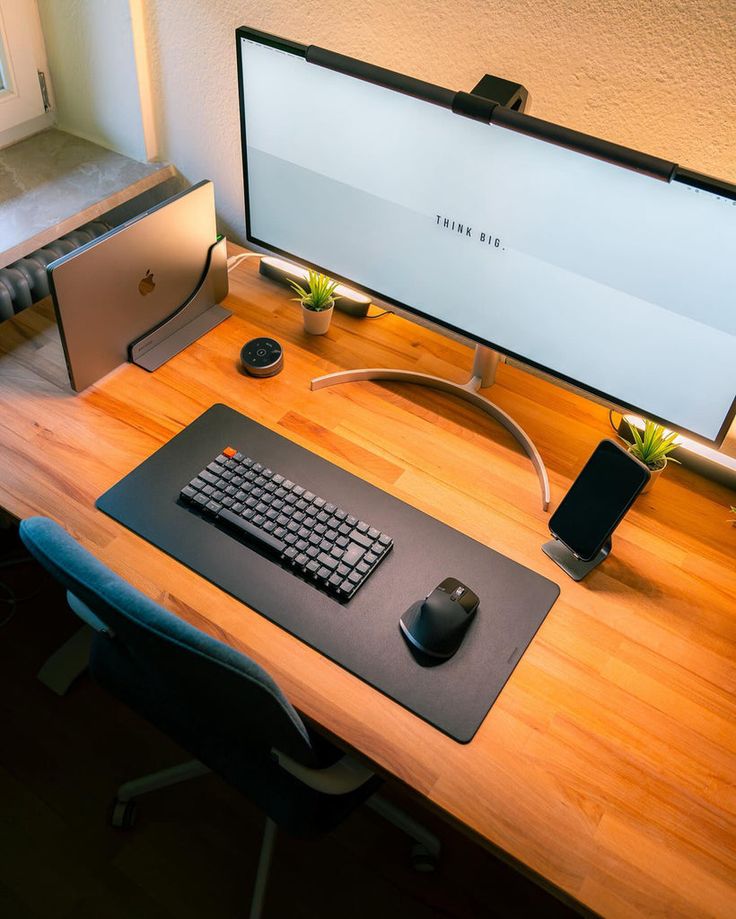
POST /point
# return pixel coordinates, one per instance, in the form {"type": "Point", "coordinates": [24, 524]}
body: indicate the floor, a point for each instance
{"type": "Point", "coordinates": [194, 848]}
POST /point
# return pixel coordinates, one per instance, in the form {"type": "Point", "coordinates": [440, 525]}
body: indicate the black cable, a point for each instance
{"type": "Point", "coordinates": [379, 315]}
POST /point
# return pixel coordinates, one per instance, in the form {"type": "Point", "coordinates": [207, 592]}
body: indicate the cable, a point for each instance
{"type": "Point", "coordinates": [616, 429]}
{"type": "Point", "coordinates": [379, 315]}
{"type": "Point", "coordinates": [235, 260]}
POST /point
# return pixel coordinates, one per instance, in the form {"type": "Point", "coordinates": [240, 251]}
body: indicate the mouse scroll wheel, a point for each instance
{"type": "Point", "coordinates": [457, 593]}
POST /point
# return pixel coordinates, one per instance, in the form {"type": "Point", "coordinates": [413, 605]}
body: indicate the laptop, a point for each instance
{"type": "Point", "coordinates": [111, 291]}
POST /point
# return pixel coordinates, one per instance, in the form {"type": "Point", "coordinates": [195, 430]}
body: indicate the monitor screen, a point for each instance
{"type": "Point", "coordinates": [618, 282]}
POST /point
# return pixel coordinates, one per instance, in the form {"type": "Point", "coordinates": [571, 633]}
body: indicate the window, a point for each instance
{"type": "Point", "coordinates": [24, 100]}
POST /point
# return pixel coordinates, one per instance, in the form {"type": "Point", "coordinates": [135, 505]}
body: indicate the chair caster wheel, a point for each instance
{"type": "Point", "coordinates": [122, 815]}
{"type": "Point", "coordinates": [422, 859]}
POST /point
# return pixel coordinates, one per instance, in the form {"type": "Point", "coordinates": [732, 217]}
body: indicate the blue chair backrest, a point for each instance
{"type": "Point", "coordinates": [204, 693]}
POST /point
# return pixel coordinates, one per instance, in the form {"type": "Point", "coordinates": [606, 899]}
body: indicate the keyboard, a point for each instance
{"type": "Point", "coordinates": [315, 538]}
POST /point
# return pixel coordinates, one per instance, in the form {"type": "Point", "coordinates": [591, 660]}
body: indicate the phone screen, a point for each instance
{"type": "Point", "coordinates": [598, 499]}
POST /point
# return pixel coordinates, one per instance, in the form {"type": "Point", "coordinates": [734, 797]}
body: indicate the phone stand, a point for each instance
{"type": "Point", "coordinates": [199, 313]}
{"type": "Point", "coordinates": [571, 564]}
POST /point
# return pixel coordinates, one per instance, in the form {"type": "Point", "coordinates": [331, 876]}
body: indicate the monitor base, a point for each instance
{"type": "Point", "coordinates": [485, 361]}
{"type": "Point", "coordinates": [570, 564]}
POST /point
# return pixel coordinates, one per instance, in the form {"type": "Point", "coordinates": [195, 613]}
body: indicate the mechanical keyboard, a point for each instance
{"type": "Point", "coordinates": [318, 540]}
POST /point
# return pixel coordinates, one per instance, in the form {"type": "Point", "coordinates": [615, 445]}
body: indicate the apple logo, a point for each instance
{"type": "Point", "coordinates": [147, 284]}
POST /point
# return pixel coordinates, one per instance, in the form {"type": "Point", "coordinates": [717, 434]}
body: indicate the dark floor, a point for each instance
{"type": "Point", "coordinates": [194, 849]}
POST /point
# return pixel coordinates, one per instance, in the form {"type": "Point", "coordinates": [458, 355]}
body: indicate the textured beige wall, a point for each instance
{"type": "Point", "coordinates": [658, 75]}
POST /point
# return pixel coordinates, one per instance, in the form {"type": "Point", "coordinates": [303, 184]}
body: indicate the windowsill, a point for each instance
{"type": "Point", "coordinates": [54, 182]}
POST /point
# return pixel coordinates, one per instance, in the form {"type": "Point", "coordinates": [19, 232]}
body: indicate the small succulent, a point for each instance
{"type": "Point", "coordinates": [321, 293]}
{"type": "Point", "coordinates": [654, 446]}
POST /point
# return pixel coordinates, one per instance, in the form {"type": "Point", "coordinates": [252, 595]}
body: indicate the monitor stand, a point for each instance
{"type": "Point", "coordinates": [483, 374]}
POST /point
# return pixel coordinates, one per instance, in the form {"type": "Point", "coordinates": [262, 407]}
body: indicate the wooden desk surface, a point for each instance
{"type": "Point", "coordinates": [608, 764]}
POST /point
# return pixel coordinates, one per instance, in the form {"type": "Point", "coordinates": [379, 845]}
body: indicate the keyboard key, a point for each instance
{"type": "Point", "coordinates": [208, 477]}
{"type": "Point", "coordinates": [335, 581]}
{"type": "Point", "coordinates": [361, 526]}
{"type": "Point", "coordinates": [370, 559]}
{"type": "Point", "coordinates": [343, 570]}
{"type": "Point", "coordinates": [301, 560]}
{"type": "Point", "coordinates": [327, 560]}
{"type": "Point", "coordinates": [324, 573]}
{"type": "Point", "coordinates": [361, 539]}
{"type": "Point", "coordinates": [187, 493]}
{"type": "Point", "coordinates": [313, 567]}
{"type": "Point", "coordinates": [384, 540]}
{"type": "Point", "coordinates": [374, 533]}
{"type": "Point", "coordinates": [353, 555]}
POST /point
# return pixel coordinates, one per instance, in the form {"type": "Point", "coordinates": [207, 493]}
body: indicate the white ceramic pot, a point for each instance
{"type": "Point", "coordinates": [316, 322]}
{"type": "Point", "coordinates": [655, 474]}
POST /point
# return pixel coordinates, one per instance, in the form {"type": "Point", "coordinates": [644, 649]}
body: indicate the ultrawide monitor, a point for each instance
{"type": "Point", "coordinates": [616, 280]}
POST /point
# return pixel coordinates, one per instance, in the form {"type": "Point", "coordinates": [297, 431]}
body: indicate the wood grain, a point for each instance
{"type": "Point", "coordinates": [607, 765]}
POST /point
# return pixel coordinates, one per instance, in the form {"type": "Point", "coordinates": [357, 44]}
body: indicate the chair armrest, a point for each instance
{"type": "Point", "coordinates": [340, 778]}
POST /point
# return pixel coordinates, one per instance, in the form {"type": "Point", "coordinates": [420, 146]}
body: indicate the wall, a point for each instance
{"type": "Point", "coordinates": [658, 75]}
{"type": "Point", "coordinates": [92, 65]}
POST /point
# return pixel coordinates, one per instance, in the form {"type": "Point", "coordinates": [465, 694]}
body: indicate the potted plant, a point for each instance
{"type": "Point", "coordinates": [317, 302]}
{"type": "Point", "coordinates": [653, 448]}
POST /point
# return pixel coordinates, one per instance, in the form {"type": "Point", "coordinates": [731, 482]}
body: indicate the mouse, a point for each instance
{"type": "Point", "coordinates": [438, 625]}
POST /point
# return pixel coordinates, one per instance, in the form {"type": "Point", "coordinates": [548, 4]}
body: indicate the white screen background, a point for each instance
{"type": "Point", "coordinates": [620, 282]}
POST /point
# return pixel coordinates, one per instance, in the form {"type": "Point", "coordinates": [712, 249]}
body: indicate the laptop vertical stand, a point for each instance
{"type": "Point", "coordinates": [199, 313]}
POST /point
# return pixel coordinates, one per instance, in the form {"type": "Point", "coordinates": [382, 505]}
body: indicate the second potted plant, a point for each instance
{"type": "Point", "coordinates": [653, 448]}
{"type": "Point", "coordinates": [318, 302]}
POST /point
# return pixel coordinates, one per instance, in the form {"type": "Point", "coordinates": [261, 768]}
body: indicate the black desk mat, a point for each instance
{"type": "Point", "coordinates": [362, 635]}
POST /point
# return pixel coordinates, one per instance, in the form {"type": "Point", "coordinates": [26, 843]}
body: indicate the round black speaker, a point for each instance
{"type": "Point", "coordinates": [262, 357]}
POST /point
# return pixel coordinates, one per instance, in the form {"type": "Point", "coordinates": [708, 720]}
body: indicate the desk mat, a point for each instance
{"type": "Point", "coordinates": [363, 634]}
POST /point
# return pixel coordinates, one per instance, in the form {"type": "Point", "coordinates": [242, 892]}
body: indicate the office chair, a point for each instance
{"type": "Point", "coordinates": [216, 703]}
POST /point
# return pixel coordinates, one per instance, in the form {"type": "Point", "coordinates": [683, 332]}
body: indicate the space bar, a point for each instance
{"type": "Point", "coordinates": [265, 540]}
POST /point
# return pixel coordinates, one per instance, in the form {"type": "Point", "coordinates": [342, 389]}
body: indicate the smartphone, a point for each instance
{"type": "Point", "coordinates": [598, 499]}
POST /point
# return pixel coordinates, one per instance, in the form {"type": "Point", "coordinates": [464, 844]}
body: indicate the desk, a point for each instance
{"type": "Point", "coordinates": [607, 765]}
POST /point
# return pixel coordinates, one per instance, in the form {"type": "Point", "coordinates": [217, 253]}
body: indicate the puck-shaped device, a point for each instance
{"type": "Point", "coordinates": [262, 357]}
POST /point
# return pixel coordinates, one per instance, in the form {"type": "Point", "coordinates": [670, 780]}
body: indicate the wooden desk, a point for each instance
{"type": "Point", "coordinates": [607, 765]}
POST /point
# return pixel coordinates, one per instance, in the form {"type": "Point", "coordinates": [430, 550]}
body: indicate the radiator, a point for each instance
{"type": "Point", "coordinates": [26, 281]}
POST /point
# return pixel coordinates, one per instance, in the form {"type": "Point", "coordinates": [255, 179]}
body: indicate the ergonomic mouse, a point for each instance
{"type": "Point", "coordinates": [438, 625]}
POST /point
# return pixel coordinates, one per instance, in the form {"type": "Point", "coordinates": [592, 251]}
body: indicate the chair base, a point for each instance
{"type": "Point", "coordinates": [425, 852]}
{"type": "Point", "coordinates": [68, 662]}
